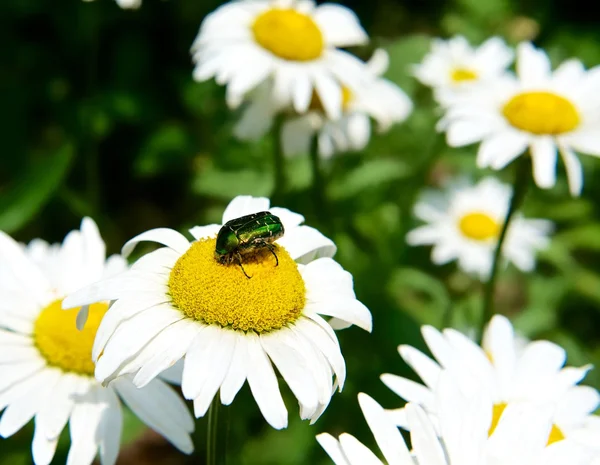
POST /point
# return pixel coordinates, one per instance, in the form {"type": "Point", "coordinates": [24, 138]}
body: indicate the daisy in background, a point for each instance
{"type": "Point", "coordinates": [464, 224]}
{"type": "Point", "coordinates": [538, 111]}
{"type": "Point", "coordinates": [46, 367]}
{"type": "Point", "coordinates": [454, 66]}
{"type": "Point", "coordinates": [376, 98]}
{"type": "Point", "coordinates": [459, 438]}
{"type": "Point", "coordinates": [294, 43]}
{"type": "Point", "coordinates": [180, 302]}
{"type": "Point", "coordinates": [510, 373]}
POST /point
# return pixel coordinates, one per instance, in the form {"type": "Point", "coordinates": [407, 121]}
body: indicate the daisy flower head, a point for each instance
{"type": "Point", "coordinates": [458, 437]}
{"type": "Point", "coordinates": [454, 66]}
{"type": "Point", "coordinates": [511, 374]}
{"type": "Point", "coordinates": [538, 110]}
{"type": "Point", "coordinates": [292, 42]}
{"type": "Point", "coordinates": [376, 98]}
{"type": "Point", "coordinates": [46, 367]}
{"type": "Point", "coordinates": [465, 221]}
{"type": "Point", "coordinates": [231, 324]}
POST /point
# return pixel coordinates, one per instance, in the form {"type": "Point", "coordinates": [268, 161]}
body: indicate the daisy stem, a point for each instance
{"type": "Point", "coordinates": [523, 170]}
{"type": "Point", "coordinates": [211, 432]}
{"type": "Point", "coordinates": [318, 181]}
{"type": "Point", "coordinates": [278, 161]}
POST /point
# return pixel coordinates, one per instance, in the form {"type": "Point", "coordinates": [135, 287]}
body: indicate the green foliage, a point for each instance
{"type": "Point", "coordinates": [101, 117]}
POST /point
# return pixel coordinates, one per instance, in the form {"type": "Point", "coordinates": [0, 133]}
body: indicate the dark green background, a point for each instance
{"type": "Point", "coordinates": [100, 116]}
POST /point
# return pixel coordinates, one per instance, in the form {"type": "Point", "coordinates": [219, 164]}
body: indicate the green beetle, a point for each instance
{"type": "Point", "coordinates": [247, 234]}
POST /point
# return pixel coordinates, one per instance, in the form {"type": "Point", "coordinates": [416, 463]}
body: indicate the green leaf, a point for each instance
{"type": "Point", "coordinates": [372, 173]}
{"type": "Point", "coordinates": [227, 184]}
{"type": "Point", "coordinates": [36, 187]}
{"type": "Point", "coordinates": [422, 296]}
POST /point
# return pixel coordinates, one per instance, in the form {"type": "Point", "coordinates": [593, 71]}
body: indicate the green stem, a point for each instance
{"type": "Point", "coordinates": [318, 182]}
{"type": "Point", "coordinates": [278, 161]}
{"type": "Point", "coordinates": [521, 182]}
{"type": "Point", "coordinates": [211, 432]}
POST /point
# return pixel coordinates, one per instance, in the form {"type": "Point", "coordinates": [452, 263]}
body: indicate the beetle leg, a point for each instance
{"type": "Point", "coordinates": [239, 257]}
{"type": "Point", "coordinates": [272, 249]}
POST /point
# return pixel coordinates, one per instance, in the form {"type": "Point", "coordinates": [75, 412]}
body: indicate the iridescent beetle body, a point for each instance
{"type": "Point", "coordinates": [246, 235]}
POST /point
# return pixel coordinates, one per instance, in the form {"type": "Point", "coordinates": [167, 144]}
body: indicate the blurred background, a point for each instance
{"type": "Point", "coordinates": [100, 117]}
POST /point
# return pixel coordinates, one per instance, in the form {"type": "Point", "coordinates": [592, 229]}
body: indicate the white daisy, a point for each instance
{"type": "Point", "coordinates": [179, 301]}
{"type": "Point", "coordinates": [464, 224]}
{"type": "Point", "coordinates": [46, 367]}
{"type": "Point", "coordinates": [532, 374]}
{"type": "Point", "coordinates": [461, 438]}
{"type": "Point", "coordinates": [539, 110]}
{"type": "Point", "coordinates": [293, 42]}
{"type": "Point", "coordinates": [454, 66]}
{"type": "Point", "coordinates": [376, 98]}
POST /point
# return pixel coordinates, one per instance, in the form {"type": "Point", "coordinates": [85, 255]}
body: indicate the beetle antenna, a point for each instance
{"type": "Point", "coordinates": [239, 257]}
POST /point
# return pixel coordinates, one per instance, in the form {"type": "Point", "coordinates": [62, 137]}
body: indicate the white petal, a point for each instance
{"type": "Point", "coordinates": [23, 270]}
{"type": "Point", "coordinates": [533, 65]}
{"type": "Point", "coordinates": [427, 369]}
{"type": "Point", "coordinates": [288, 218]}
{"type": "Point", "coordinates": [498, 151]}
{"type": "Point", "coordinates": [305, 244]}
{"type": "Point", "coordinates": [236, 375]}
{"type": "Point", "coordinates": [42, 447]}
{"type": "Point", "coordinates": [244, 205]}
{"type": "Point", "coordinates": [132, 335]}
{"type": "Point", "coordinates": [333, 448]}
{"type": "Point", "coordinates": [13, 374]}
{"type": "Point", "coordinates": [216, 367]}
{"type": "Point", "coordinates": [349, 310]}
{"type": "Point", "coordinates": [19, 412]}
{"type": "Point", "coordinates": [543, 155]}
{"type": "Point", "coordinates": [316, 335]}
{"type": "Point", "coordinates": [339, 25]}
{"type": "Point", "coordinates": [386, 434]}
{"type": "Point", "coordinates": [357, 452]}
{"type": "Point", "coordinates": [168, 237]}
{"type": "Point", "coordinates": [292, 365]}
{"type": "Point", "coordinates": [110, 427]}
{"type": "Point", "coordinates": [330, 94]}
{"type": "Point", "coordinates": [159, 406]}
{"type": "Point", "coordinates": [574, 171]}
{"type": "Point", "coordinates": [83, 426]}
{"type": "Point", "coordinates": [203, 232]}
{"type": "Point", "coordinates": [120, 311]}
{"type": "Point", "coordinates": [263, 384]}
{"type": "Point", "coordinates": [165, 350]}
{"type": "Point", "coordinates": [426, 445]}
{"type": "Point", "coordinates": [409, 390]}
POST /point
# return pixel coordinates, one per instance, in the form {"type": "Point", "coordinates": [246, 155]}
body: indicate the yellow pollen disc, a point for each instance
{"type": "Point", "coordinates": [316, 105]}
{"type": "Point", "coordinates": [496, 414]}
{"type": "Point", "coordinates": [556, 435]}
{"type": "Point", "coordinates": [61, 343]}
{"type": "Point", "coordinates": [207, 291]}
{"type": "Point", "coordinates": [479, 226]}
{"type": "Point", "coordinates": [541, 113]}
{"type": "Point", "coordinates": [288, 34]}
{"type": "Point", "coordinates": [463, 74]}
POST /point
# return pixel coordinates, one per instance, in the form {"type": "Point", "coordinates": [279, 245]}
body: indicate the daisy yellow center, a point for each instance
{"type": "Point", "coordinates": [479, 226]}
{"type": "Point", "coordinates": [317, 105]}
{"type": "Point", "coordinates": [288, 34]}
{"type": "Point", "coordinates": [555, 435]}
{"type": "Point", "coordinates": [61, 343]}
{"type": "Point", "coordinates": [541, 113]}
{"type": "Point", "coordinates": [207, 291]}
{"type": "Point", "coordinates": [463, 74]}
{"type": "Point", "coordinates": [496, 414]}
